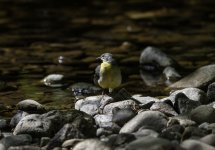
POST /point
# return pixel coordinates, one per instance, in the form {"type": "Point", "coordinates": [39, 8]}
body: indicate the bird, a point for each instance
{"type": "Point", "coordinates": [108, 74]}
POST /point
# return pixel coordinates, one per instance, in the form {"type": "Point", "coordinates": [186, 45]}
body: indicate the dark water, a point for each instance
{"type": "Point", "coordinates": [35, 33]}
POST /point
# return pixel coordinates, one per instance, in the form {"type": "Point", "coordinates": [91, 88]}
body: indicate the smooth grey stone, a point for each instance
{"type": "Point", "coordinates": [71, 143]}
{"type": "Point", "coordinates": [150, 143]}
{"type": "Point", "coordinates": [173, 132]}
{"type": "Point", "coordinates": [83, 88]}
{"type": "Point", "coordinates": [91, 144]}
{"type": "Point", "coordinates": [181, 120]}
{"type": "Point", "coordinates": [145, 99]}
{"type": "Point", "coordinates": [54, 80]}
{"type": "Point", "coordinates": [183, 105]}
{"type": "Point", "coordinates": [108, 109]}
{"type": "Point", "coordinates": [195, 145]}
{"type": "Point", "coordinates": [198, 79]}
{"type": "Point", "coordinates": [171, 75]}
{"type": "Point", "coordinates": [39, 125]}
{"type": "Point", "coordinates": [44, 141]}
{"type": "Point", "coordinates": [152, 61]}
{"type": "Point", "coordinates": [145, 132]}
{"type": "Point", "coordinates": [154, 119]}
{"type": "Point", "coordinates": [121, 116]}
{"type": "Point", "coordinates": [120, 139]}
{"type": "Point", "coordinates": [17, 117]}
{"type": "Point", "coordinates": [91, 105]}
{"type": "Point", "coordinates": [202, 114]}
{"type": "Point", "coordinates": [15, 140]}
{"type": "Point", "coordinates": [211, 92]}
{"type": "Point", "coordinates": [194, 132]}
{"type": "Point", "coordinates": [208, 139]}
{"type": "Point", "coordinates": [27, 147]}
{"type": "Point", "coordinates": [104, 121]}
{"type": "Point", "coordinates": [31, 106]}
{"type": "Point", "coordinates": [103, 132]}
{"type": "Point", "coordinates": [194, 94]}
{"type": "Point", "coordinates": [164, 108]}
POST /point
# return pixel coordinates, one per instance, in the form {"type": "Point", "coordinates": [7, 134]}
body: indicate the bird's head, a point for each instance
{"type": "Point", "coordinates": [106, 57]}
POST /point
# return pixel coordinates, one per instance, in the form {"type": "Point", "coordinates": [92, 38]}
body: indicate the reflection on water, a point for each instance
{"type": "Point", "coordinates": [35, 34]}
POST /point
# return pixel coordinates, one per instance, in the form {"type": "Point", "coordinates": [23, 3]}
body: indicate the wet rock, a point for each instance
{"type": "Point", "coordinates": [208, 139]}
{"type": "Point", "coordinates": [202, 114]}
{"type": "Point", "coordinates": [71, 143]}
{"type": "Point", "coordinates": [145, 132]}
{"type": "Point", "coordinates": [119, 140]}
{"type": "Point", "coordinates": [150, 143]}
{"type": "Point", "coordinates": [83, 88]}
{"type": "Point", "coordinates": [91, 144]}
{"type": "Point", "coordinates": [153, 119]}
{"type": "Point", "coordinates": [108, 109]}
{"type": "Point", "coordinates": [171, 75]}
{"type": "Point", "coordinates": [27, 147]}
{"type": "Point", "coordinates": [17, 117]}
{"type": "Point", "coordinates": [153, 61]}
{"type": "Point", "coordinates": [193, 132]}
{"type": "Point", "coordinates": [198, 79]}
{"type": "Point", "coordinates": [92, 104]}
{"type": "Point", "coordinates": [211, 92]}
{"type": "Point", "coordinates": [121, 116]}
{"type": "Point", "coordinates": [164, 108]}
{"type": "Point", "coordinates": [54, 80]}
{"type": "Point", "coordinates": [195, 145]}
{"type": "Point", "coordinates": [39, 125]}
{"type": "Point", "coordinates": [172, 133]}
{"type": "Point", "coordinates": [44, 141]}
{"type": "Point", "coordinates": [15, 140]}
{"type": "Point", "coordinates": [180, 120]}
{"type": "Point", "coordinates": [183, 105]}
{"type": "Point", "coordinates": [194, 94]}
{"type": "Point", "coordinates": [31, 106]}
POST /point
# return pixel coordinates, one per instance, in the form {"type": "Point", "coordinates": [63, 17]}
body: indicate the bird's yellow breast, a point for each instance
{"type": "Point", "coordinates": [110, 76]}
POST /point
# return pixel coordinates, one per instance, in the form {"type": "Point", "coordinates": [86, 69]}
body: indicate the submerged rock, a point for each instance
{"type": "Point", "coordinates": [149, 119]}
{"type": "Point", "coordinates": [54, 80]}
{"type": "Point", "coordinates": [198, 79]}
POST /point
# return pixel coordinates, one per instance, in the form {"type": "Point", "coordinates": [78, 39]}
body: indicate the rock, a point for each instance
{"type": "Point", "coordinates": [121, 116]}
{"type": "Point", "coordinates": [195, 145]}
{"type": "Point", "coordinates": [194, 94]}
{"type": "Point", "coordinates": [104, 121]}
{"type": "Point", "coordinates": [92, 104]}
{"type": "Point", "coordinates": [91, 144]}
{"type": "Point", "coordinates": [164, 108]}
{"type": "Point", "coordinates": [211, 92]}
{"type": "Point", "coordinates": [153, 61]}
{"type": "Point", "coordinates": [103, 132]}
{"type": "Point", "coordinates": [16, 118]}
{"type": "Point", "coordinates": [27, 147]}
{"type": "Point", "coordinates": [39, 125]}
{"type": "Point", "coordinates": [108, 109]}
{"type": "Point", "coordinates": [4, 125]}
{"type": "Point", "coordinates": [145, 101]}
{"type": "Point", "coordinates": [153, 119]}
{"type": "Point", "coordinates": [171, 75]}
{"type": "Point", "coordinates": [31, 106]}
{"type": "Point", "coordinates": [183, 105]}
{"type": "Point", "coordinates": [198, 79]}
{"type": "Point", "coordinates": [80, 127]}
{"type": "Point", "coordinates": [208, 139]}
{"type": "Point", "coordinates": [83, 88]}
{"type": "Point", "coordinates": [193, 132]}
{"type": "Point", "coordinates": [173, 133]}
{"type": "Point", "coordinates": [71, 143]}
{"type": "Point", "coordinates": [181, 120]}
{"type": "Point", "coordinates": [150, 143]}
{"type": "Point", "coordinates": [145, 132]}
{"type": "Point", "coordinates": [116, 140]}
{"type": "Point", "coordinates": [54, 80]}
{"type": "Point", "coordinates": [15, 140]}
{"type": "Point", "coordinates": [202, 114]}
{"type": "Point", "coordinates": [44, 141]}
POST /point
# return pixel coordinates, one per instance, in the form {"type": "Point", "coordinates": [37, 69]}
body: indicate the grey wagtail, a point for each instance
{"type": "Point", "coordinates": [108, 74]}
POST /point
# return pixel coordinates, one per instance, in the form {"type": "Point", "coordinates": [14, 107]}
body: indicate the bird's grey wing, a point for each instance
{"type": "Point", "coordinates": [96, 75]}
